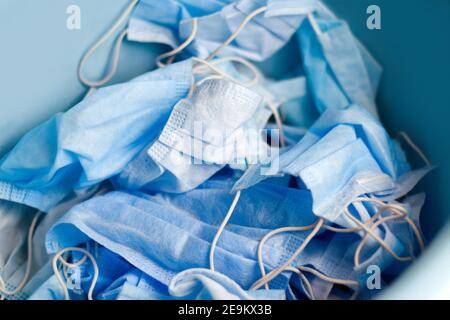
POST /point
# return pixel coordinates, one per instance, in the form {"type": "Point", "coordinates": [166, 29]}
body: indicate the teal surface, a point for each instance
{"type": "Point", "coordinates": [39, 58]}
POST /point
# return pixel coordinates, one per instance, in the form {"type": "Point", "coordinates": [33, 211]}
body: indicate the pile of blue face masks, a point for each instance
{"type": "Point", "coordinates": [207, 179]}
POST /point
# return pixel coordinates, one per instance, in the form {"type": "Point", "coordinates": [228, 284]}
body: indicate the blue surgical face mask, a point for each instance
{"type": "Point", "coordinates": [402, 230]}
{"type": "Point", "coordinates": [171, 22]}
{"type": "Point", "coordinates": [46, 287]}
{"type": "Point", "coordinates": [267, 206]}
{"type": "Point", "coordinates": [111, 267]}
{"type": "Point", "coordinates": [170, 234]}
{"type": "Point", "coordinates": [219, 125]}
{"type": "Point", "coordinates": [14, 228]}
{"type": "Point", "coordinates": [135, 285]}
{"type": "Point", "coordinates": [217, 110]}
{"type": "Point", "coordinates": [92, 141]}
{"type": "Point", "coordinates": [338, 179]}
{"type": "Point", "coordinates": [17, 220]}
{"type": "Point", "coordinates": [340, 71]}
{"type": "Point", "coordinates": [365, 127]}
{"type": "Point", "coordinates": [143, 173]}
{"type": "Point", "coordinates": [405, 183]}
{"type": "Point", "coordinates": [190, 284]}
{"type": "Point", "coordinates": [375, 255]}
{"type": "Point", "coordinates": [332, 261]}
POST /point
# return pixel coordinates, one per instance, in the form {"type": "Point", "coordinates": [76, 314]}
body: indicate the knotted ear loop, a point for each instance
{"type": "Point", "coordinates": [415, 147]}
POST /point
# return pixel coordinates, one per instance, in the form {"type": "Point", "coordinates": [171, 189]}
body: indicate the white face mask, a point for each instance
{"type": "Point", "coordinates": [220, 124]}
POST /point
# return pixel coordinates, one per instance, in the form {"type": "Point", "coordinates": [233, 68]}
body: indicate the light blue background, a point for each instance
{"type": "Point", "coordinates": [39, 58]}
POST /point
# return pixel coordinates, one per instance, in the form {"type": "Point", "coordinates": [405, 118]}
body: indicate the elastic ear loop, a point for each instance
{"type": "Point", "coordinates": [94, 84]}
{"type": "Point", "coordinates": [228, 216]}
{"type": "Point", "coordinates": [415, 147]}
{"type": "Point", "coordinates": [304, 228]}
{"type": "Point", "coordinates": [370, 231]}
{"type": "Point", "coordinates": [366, 236]}
{"type": "Point", "coordinates": [171, 54]}
{"type": "Point", "coordinates": [281, 230]}
{"type": "Point", "coordinates": [306, 284]}
{"type": "Point", "coordinates": [221, 228]}
{"type": "Point", "coordinates": [271, 234]}
{"type": "Point", "coordinates": [3, 290]}
{"type": "Point", "coordinates": [350, 283]}
{"type": "Point", "coordinates": [221, 73]}
{"type": "Point", "coordinates": [375, 236]}
{"type": "Point", "coordinates": [57, 258]}
{"type": "Point", "coordinates": [298, 270]}
{"type": "Point", "coordinates": [275, 272]}
{"type": "Point", "coordinates": [367, 222]}
{"type": "Point", "coordinates": [399, 215]}
{"type": "Point", "coordinates": [218, 71]}
{"type": "Point", "coordinates": [236, 32]}
{"type": "Point", "coordinates": [199, 69]}
{"type": "Point", "coordinates": [72, 265]}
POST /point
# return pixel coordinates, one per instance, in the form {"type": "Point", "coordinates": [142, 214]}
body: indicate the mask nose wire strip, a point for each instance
{"type": "Point", "coordinates": [100, 42]}
{"type": "Point", "coordinates": [415, 147]}
{"type": "Point", "coordinates": [22, 284]}
{"type": "Point", "coordinates": [275, 272]}
{"type": "Point", "coordinates": [236, 32]}
{"type": "Point", "coordinates": [171, 54]}
{"type": "Point", "coordinates": [57, 257]}
{"type": "Point", "coordinates": [221, 228]}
